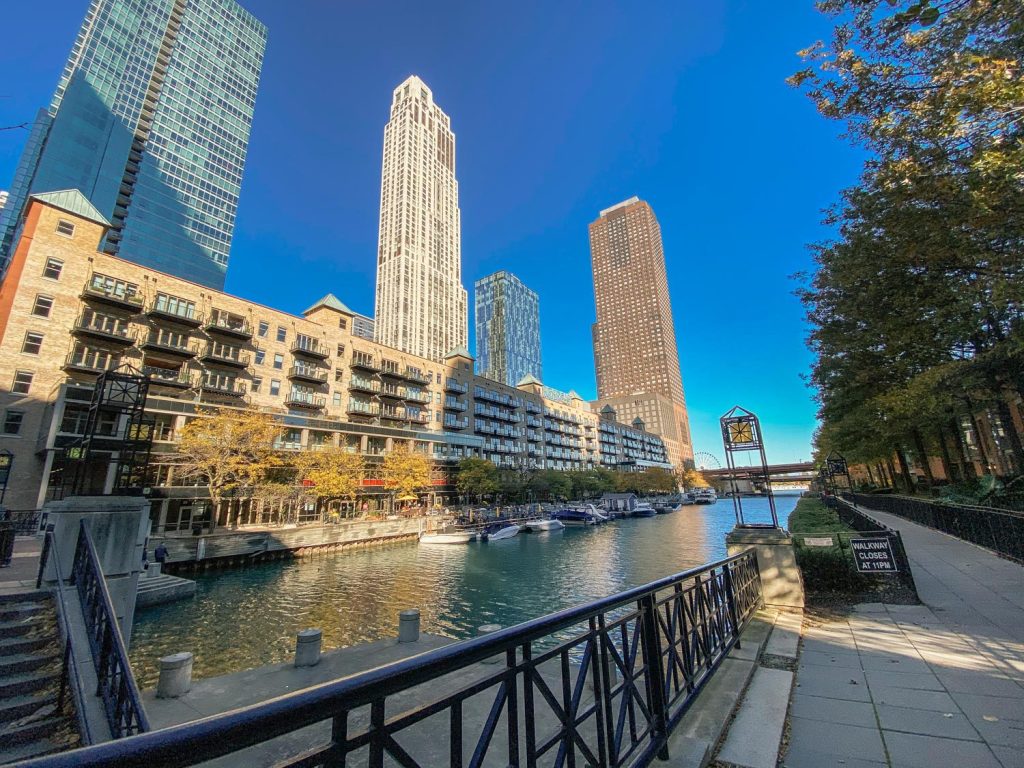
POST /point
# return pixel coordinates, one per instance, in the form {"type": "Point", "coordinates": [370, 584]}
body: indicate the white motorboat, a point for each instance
{"type": "Point", "coordinates": [543, 525]}
{"type": "Point", "coordinates": [643, 509]}
{"type": "Point", "coordinates": [704, 495]}
{"type": "Point", "coordinates": [451, 537]}
{"type": "Point", "coordinates": [500, 531]}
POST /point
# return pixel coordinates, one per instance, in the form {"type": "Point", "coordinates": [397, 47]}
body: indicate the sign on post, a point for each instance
{"type": "Point", "coordinates": [873, 555]}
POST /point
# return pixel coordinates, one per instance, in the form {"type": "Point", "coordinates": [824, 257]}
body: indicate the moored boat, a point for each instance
{"type": "Point", "coordinates": [577, 516]}
{"type": "Point", "coordinates": [500, 531]}
{"type": "Point", "coordinates": [450, 537]}
{"type": "Point", "coordinates": [543, 525]}
{"type": "Point", "coordinates": [643, 509]}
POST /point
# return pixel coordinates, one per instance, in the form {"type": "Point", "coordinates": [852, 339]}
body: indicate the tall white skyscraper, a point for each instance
{"type": "Point", "coordinates": [420, 302]}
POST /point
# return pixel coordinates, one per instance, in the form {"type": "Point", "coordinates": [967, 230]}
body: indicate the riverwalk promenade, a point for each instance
{"type": "Point", "coordinates": [918, 685]}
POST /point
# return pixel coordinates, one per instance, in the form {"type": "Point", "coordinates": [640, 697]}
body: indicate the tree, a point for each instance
{"type": "Point", "coordinates": [227, 450]}
{"type": "Point", "coordinates": [331, 473]}
{"type": "Point", "coordinates": [405, 472]}
{"type": "Point", "coordinates": [476, 477]}
{"type": "Point", "coordinates": [690, 478]}
{"type": "Point", "coordinates": [551, 484]}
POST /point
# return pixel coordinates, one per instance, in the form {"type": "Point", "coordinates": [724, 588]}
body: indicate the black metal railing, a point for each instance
{"type": "Point", "coordinates": [999, 530]}
{"type": "Point", "coordinates": [25, 521]}
{"type": "Point", "coordinates": [116, 684]}
{"type": "Point", "coordinates": [69, 676]}
{"type": "Point", "coordinates": [602, 684]}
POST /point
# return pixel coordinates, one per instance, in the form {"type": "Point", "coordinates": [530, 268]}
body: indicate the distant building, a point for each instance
{"type": "Point", "coordinates": [420, 305]}
{"type": "Point", "coordinates": [3, 199]}
{"type": "Point", "coordinates": [151, 121]}
{"type": "Point", "coordinates": [507, 325]}
{"type": "Point", "coordinates": [363, 326]}
{"type": "Point", "coordinates": [635, 353]}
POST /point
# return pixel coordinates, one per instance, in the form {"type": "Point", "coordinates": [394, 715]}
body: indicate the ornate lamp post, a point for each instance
{"type": "Point", "coordinates": [741, 431]}
{"type": "Point", "coordinates": [836, 465]}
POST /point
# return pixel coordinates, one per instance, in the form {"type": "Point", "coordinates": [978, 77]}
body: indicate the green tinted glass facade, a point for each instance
{"type": "Point", "coordinates": [151, 121]}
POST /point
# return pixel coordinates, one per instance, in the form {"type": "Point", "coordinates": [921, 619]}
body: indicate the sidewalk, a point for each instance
{"type": "Point", "coordinates": [20, 576]}
{"type": "Point", "coordinates": [913, 686]}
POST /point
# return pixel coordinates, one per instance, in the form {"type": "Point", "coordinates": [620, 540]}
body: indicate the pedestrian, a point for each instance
{"type": "Point", "coordinates": [160, 553]}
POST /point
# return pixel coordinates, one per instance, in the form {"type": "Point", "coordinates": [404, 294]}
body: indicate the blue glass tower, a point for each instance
{"type": "Point", "coordinates": [507, 329]}
{"type": "Point", "coordinates": [151, 121]}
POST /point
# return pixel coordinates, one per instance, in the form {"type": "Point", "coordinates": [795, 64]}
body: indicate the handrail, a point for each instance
{"type": "Point", "coordinates": [116, 684]}
{"type": "Point", "coordinates": [69, 670]}
{"type": "Point", "coordinates": [647, 651]}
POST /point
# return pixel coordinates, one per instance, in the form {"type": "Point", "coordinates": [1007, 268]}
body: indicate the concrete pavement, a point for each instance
{"type": "Point", "coordinates": [927, 685]}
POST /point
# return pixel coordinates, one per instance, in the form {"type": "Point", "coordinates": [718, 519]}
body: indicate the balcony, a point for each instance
{"type": "Point", "coordinates": [310, 373]}
{"type": "Point", "coordinates": [362, 408]}
{"type": "Point", "coordinates": [229, 325]}
{"type": "Point", "coordinates": [175, 312]}
{"type": "Point", "coordinates": [395, 414]}
{"type": "Point", "coordinates": [416, 375]}
{"type": "Point", "coordinates": [393, 392]}
{"type": "Point", "coordinates": [223, 355]}
{"type": "Point", "coordinates": [451, 404]}
{"type": "Point", "coordinates": [86, 360]}
{"type": "Point", "coordinates": [105, 327]}
{"type": "Point", "coordinates": [305, 400]}
{"type": "Point", "coordinates": [451, 385]}
{"type": "Point", "coordinates": [365, 362]}
{"type": "Point", "coordinates": [114, 293]}
{"type": "Point", "coordinates": [168, 377]}
{"type": "Point", "coordinates": [418, 397]}
{"type": "Point", "coordinates": [310, 347]}
{"type": "Point", "coordinates": [221, 385]}
{"type": "Point", "coordinates": [420, 418]}
{"type": "Point", "coordinates": [358, 384]}
{"type": "Point", "coordinates": [171, 344]}
{"type": "Point", "coordinates": [391, 368]}
{"type": "Point", "coordinates": [457, 424]}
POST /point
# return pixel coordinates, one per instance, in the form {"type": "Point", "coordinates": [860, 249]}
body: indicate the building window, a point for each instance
{"type": "Point", "coordinates": [342, 323]}
{"type": "Point", "coordinates": [279, 361]}
{"type": "Point", "coordinates": [275, 387]}
{"type": "Point", "coordinates": [341, 350]}
{"type": "Point", "coordinates": [257, 382]}
{"type": "Point", "coordinates": [12, 422]}
{"type": "Point", "coordinates": [282, 333]}
{"type": "Point", "coordinates": [33, 343]}
{"type": "Point", "coordinates": [42, 306]}
{"type": "Point", "coordinates": [264, 329]}
{"type": "Point", "coordinates": [260, 354]}
{"type": "Point", "coordinates": [22, 382]}
{"type": "Point", "coordinates": [338, 374]}
{"type": "Point", "coordinates": [65, 228]}
{"type": "Point", "coordinates": [337, 398]}
{"type": "Point", "coordinates": [53, 269]}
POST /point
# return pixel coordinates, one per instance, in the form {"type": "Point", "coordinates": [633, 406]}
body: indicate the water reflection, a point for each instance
{"type": "Point", "coordinates": [247, 618]}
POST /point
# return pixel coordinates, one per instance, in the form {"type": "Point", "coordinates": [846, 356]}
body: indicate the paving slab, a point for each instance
{"type": "Point", "coordinates": [845, 659]}
{"type": "Point", "coordinates": [913, 751]}
{"type": "Point", "coordinates": [860, 713]}
{"type": "Point", "coordinates": [952, 725]}
{"type": "Point", "coordinates": [918, 681]}
{"type": "Point", "coordinates": [755, 733]}
{"type": "Point", "coordinates": [936, 701]}
{"type": "Point", "coordinates": [833, 683]}
{"type": "Point", "coordinates": [985, 684]}
{"type": "Point", "coordinates": [785, 638]}
{"type": "Point", "coordinates": [837, 739]}
{"type": "Point", "coordinates": [1010, 758]}
{"type": "Point", "coordinates": [804, 757]}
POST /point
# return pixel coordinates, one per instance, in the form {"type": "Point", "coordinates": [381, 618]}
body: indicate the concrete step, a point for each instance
{"type": "Point", "coordinates": [40, 596]}
{"type": "Point", "coordinates": [28, 682]}
{"type": "Point", "coordinates": [37, 748]}
{"type": "Point", "coordinates": [14, 611]}
{"type": "Point", "coordinates": [785, 637]}
{"type": "Point", "coordinates": [18, 645]}
{"type": "Point", "coordinates": [16, 707]}
{"type": "Point", "coordinates": [22, 626]}
{"type": "Point", "coordinates": [756, 732]}
{"type": "Point", "coordinates": [19, 663]}
{"type": "Point", "coordinates": [44, 722]}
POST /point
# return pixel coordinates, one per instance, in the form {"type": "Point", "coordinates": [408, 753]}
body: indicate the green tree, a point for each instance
{"type": "Point", "coordinates": [476, 478]}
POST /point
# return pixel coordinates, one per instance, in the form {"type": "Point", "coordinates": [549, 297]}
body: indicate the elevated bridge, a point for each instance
{"type": "Point", "coordinates": [795, 472]}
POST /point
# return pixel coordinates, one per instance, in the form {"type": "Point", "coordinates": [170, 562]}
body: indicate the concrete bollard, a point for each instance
{"type": "Point", "coordinates": [487, 629]}
{"type": "Point", "coordinates": [154, 570]}
{"type": "Point", "coordinates": [409, 625]}
{"type": "Point", "coordinates": [175, 676]}
{"type": "Point", "coordinates": [307, 647]}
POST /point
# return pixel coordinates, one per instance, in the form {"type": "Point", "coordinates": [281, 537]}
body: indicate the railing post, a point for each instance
{"type": "Point", "coordinates": [655, 673]}
{"type": "Point", "coordinates": [45, 554]}
{"type": "Point", "coordinates": [730, 598]}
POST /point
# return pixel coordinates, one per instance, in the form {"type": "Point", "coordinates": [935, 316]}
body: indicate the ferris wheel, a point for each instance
{"type": "Point", "coordinates": [704, 460]}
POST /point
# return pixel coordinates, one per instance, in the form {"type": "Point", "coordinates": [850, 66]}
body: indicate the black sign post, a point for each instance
{"type": "Point", "coordinates": [873, 555]}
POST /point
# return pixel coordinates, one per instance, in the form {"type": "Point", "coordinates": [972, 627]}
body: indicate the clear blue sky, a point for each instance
{"type": "Point", "coordinates": [560, 110]}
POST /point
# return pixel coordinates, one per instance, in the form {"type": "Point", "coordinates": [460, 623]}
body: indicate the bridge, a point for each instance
{"type": "Point", "coordinates": [794, 472]}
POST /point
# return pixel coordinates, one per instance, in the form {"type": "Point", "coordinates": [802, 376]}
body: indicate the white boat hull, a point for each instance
{"type": "Point", "coordinates": [446, 538]}
{"type": "Point", "coordinates": [505, 533]}
{"type": "Point", "coordinates": [545, 525]}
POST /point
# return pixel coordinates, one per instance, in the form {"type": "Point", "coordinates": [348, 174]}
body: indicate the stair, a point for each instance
{"type": "Point", "coordinates": [30, 670]}
{"type": "Point", "coordinates": [163, 588]}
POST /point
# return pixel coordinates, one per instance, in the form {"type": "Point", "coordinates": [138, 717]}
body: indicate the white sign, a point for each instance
{"type": "Point", "coordinates": [818, 541]}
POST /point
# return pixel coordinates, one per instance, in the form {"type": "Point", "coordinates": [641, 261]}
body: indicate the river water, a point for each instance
{"type": "Point", "coordinates": [248, 617]}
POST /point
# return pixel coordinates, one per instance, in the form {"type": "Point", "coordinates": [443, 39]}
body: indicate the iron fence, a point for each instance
{"type": "Point", "coordinates": [602, 684]}
{"type": "Point", "coordinates": [116, 684]}
{"type": "Point", "coordinates": [27, 522]}
{"type": "Point", "coordinates": [999, 530]}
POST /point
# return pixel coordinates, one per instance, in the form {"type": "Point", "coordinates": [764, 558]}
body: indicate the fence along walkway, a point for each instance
{"type": "Point", "coordinates": [602, 684]}
{"type": "Point", "coordinates": [937, 684]}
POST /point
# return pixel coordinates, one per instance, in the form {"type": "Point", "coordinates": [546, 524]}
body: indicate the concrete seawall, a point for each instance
{"type": "Point", "coordinates": [225, 548]}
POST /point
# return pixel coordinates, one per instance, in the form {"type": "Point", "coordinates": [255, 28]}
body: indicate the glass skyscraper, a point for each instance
{"type": "Point", "coordinates": [507, 329]}
{"type": "Point", "coordinates": [151, 122]}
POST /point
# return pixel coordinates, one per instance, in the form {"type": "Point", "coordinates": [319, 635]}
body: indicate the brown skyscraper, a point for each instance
{"type": "Point", "coordinates": [635, 350]}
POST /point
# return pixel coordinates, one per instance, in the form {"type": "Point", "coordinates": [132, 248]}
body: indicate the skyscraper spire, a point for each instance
{"type": "Point", "coordinates": [420, 301]}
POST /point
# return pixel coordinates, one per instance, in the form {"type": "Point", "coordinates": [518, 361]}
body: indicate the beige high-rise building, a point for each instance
{"type": "Point", "coordinates": [420, 302]}
{"type": "Point", "coordinates": [635, 351]}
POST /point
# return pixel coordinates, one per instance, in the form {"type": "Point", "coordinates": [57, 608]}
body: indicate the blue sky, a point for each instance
{"type": "Point", "coordinates": [560, 110]}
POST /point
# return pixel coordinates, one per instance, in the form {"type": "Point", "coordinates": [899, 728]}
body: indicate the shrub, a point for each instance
{"type": "Point", "coordinates": [828, 569]}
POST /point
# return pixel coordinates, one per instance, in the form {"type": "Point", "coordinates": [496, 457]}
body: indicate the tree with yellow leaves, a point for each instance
{"type": "Point", "coordinates": [405, 472]}
{"type": "Point", "coordinates": [330, 473]}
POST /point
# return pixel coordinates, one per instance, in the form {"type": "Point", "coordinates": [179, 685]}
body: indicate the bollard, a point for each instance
{"type": "Point", "coordinates": [154, 570]}
{"type": "Point", "coordinates": [487, 629]}
{"type": "Point", "coordinates": [307, 647]}
{"type": "Point", "coordinates": [409, 625]}
{"type": "Point", "coordinates": [175, 676]}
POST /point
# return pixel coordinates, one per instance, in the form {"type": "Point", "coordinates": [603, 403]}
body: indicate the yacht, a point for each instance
{"type": "Point", "coordinates": [585, 515]}
{"type": "Point", "coordinates": [447, 537]}
{"type": "Point", "coordinates": [704, 495]}
{"type": "Point", "coordinates": [500, 531]}
{"type": "Point", "coordinates": [643, 509]}
{"type": "Point", "coordinates": [543, 525]}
